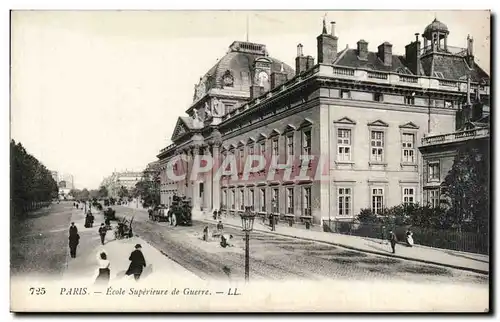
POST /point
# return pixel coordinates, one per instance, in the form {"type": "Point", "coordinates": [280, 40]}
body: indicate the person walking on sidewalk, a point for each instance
{"type": "Point", "coordinates": [103, 272]}
{"type": "Point", "coordinates": [72, 229]}
{"type": "Point", "coordinates": [393, 240]}
{"type": "Point", "coordinates": [74, 240]}
{"type": "Point", "coordinates": [102, 233]}
{"type": "Point", "coordinates": [137, 263]}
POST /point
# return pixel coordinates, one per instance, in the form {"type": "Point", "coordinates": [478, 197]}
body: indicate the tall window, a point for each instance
{"type": "Point", "coordinates": [433, 198]}
{"type": "Point", "coordinates": [275, 147]}
{"type": "Point", "coordinates": [242, 199]}
{"type": "Point", "coordinates": [377, 145]}
{"type": "Point", "coordinates": [224, 198]}
{"type": "Point", "coordinates": [233, 199]}
{"type": "Point", "coordinates": [289, 201]}
{"type": "Point", "coordinates": [306, 201]}
{"type": "Point", "coordinates": [262, 199]}
{"type": "Point", "coordinates": [408, 195]}
{"type": "Point", "coordinates": [344, 145]}
{"type": "Point", "coordinates": [251, 198]}
{"type": "Point", "coordinates": [275, 201]}
{"type": "Point", "coordinates": [408, 146]}
{"type": "Point", "coordinates": [306, 142]}
{"type": "Point", "coordinates": [251, 150]}
{"type": "Point", "coordinates": [377, 200]}
{"type": "Point", "coordinates": [289, 145]}
{"type": "Point", "coordinates": [262, 148]}
{"type": "Point", "coordinates": [344, 199]}
{"type": "Point", "coordinates": [433, 171]}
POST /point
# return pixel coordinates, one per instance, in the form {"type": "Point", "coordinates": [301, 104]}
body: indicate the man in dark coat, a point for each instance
{"type": "Point", "coordinates": [72, 229]}
{"type": "Point", "coordinates": [102, 233]}
{"type": "Point", "coordinates": [393, 240]}
{"type": "Point", "coordinates": [137, 263]}
{"type": "Point", "coordinates": [74, 239]}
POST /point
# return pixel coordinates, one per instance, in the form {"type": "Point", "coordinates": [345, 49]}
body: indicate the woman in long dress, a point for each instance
{"type": "Point", "coordinates": [409, 238]}
{"type": "Point", "coordinates": [104, 272]}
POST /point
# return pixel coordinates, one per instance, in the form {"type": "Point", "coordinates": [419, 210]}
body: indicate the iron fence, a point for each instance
{"type": "Point", "coordinates": [452, 239]}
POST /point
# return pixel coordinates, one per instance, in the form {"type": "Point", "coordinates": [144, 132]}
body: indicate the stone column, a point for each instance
{"type": "Point", "coordinates": [188, 186]}
{"type": "Point", "coordinates": [207, 185]}
{"type": "Point", "coordinates": [216, 181]}
{"type": "Point", "coordinates": [195, 184]}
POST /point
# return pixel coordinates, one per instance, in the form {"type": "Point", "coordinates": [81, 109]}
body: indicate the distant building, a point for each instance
{"type": "Point", "coordinates": [65, 182]}
{"type": "Point", "coordinates": [127, 179]}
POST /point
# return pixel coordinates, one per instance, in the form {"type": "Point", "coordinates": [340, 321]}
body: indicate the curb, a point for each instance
{"type": "Point", "coordinates": [475, 270]}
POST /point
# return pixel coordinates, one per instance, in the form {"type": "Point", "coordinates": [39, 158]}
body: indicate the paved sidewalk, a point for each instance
{"type": "Point", "coordinates": [84, 266]}
{"type": "Point", "coordinates": [466, 261]}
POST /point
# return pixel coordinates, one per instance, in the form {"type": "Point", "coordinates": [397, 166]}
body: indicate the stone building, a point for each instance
{"type": "Point", "coordinates": [363, 113]}
{"type": "Point", "coordinates": [116, 180]}
{"type": "Point", "coordinates": [439, 151]}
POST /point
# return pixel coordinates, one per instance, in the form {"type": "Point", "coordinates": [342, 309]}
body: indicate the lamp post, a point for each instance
{"type": "Point", "coordinates": [247, 219]}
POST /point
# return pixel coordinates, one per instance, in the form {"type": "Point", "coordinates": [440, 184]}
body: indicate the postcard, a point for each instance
{"type": "Point", "coordinates": [250, 161]}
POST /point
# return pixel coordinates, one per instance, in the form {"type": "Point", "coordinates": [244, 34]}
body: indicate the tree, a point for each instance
{"type": "Point", "coordinates": [84, 194]}
{"type": "Point", "coordinates": [103, 192]}
{"type": "Point", "coordinates": [32, 184]}
{"type": "Point", "coordinates": [94, 194]}
{"type": "Point", "coordinates": [123, 192]}
{"type": "Point", "coordinates": [466, 187]}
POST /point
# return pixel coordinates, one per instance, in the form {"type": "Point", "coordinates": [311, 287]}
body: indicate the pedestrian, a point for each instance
{"type": "Point", "coordinates": [72, 229]}
{"type": "Point", "coordinates": [102, 233]}
{"type": "Point", "coordinates": [103, 272]}
{"type": "Point", "coordinates": [215, 215]}
{"type": "Point", "coordinates": [205, 233]}
{"type": "Point", "coordinates": [224, 241]}
{"type": "Point", "coordinates": [393, 240]}
{"type": "Point", "coordinates": [137, 263]}
{"type": "Point", "coordinates": [384, 241]}
{"type": "Point", "coordinates": [409, 238]}
{"type": "Point", "coordinates": [220, 227]}
{"type": "Point", "coordinates": [74, 240]}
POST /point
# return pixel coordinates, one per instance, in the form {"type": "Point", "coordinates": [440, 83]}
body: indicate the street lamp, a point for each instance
{"type": "Point", "coordinates": [247, 219]}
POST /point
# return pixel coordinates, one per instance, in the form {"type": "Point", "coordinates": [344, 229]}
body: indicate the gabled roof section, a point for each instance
{"type": "Point", "coordinates": [378, 123]}
{"type": "Point", "coordinates": [289, 128]}
{"type": "Point", "coordinates": [240, 144]}
{"type": "Point", "coordinates": [345, 120]}
{"type": "Point", "coordinates": [307, 122]}
{"type": "Point", "coordinates": [261, 137]}
{"type": "Point", "coordinates": [250, 140]}
{"type": "Point", "coordinates": [409, 125]}
{"type": "Point", "coordinates": [184, 125]}
{"type": "Point", "coordinates": [274, 133]}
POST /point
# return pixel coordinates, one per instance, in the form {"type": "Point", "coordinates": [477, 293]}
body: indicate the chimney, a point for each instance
{"type": "Point", "coordinates": [278, 78]}
{"type": "Point", "coordinates": [470, 51]}
{"type": "Point", "coordinates": [362, 50]}
{"type": "Point", "coordinates": [385, 53]}
{"type": "Point", "coordinates": [300, 61]}
{"type": "Point", "coordinates": [412, 55]}
{"type": "Point", "coordinates": [327, 46]}
{"type": "Point", "coordinates": [310, 62]}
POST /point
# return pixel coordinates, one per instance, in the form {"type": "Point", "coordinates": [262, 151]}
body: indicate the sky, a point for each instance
{"type": "Point", "coordinates": [97, 91]}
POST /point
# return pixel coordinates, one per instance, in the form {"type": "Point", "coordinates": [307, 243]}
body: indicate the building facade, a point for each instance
{"type": "Point", "coordinates": [127, 179]}
{"type": "Point", "coordinates": [357, 116]}
{"type": "Point", "coordinates": [439, 151]}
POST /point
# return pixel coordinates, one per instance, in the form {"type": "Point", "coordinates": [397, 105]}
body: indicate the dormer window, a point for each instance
{"type": "Point", "coordinates": [438, 74]}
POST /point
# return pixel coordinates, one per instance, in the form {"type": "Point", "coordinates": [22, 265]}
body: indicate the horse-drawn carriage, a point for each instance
{"type": "Point", "coordinates": [124, 229]}
{"type": "Point", "coordinates": [179, 212]}
{"type": "Point", "coordinates": [110, 214]}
